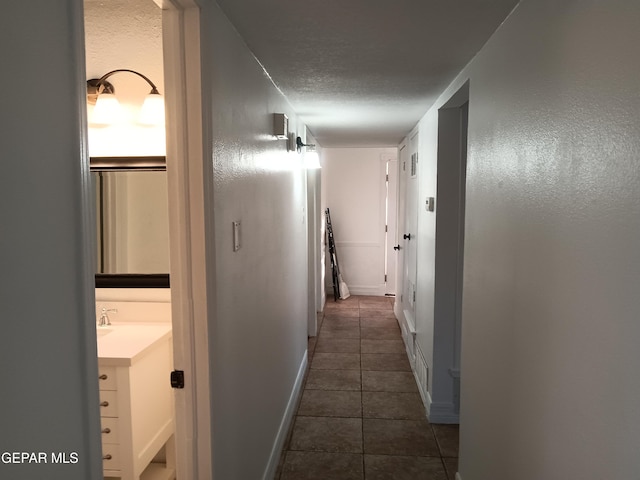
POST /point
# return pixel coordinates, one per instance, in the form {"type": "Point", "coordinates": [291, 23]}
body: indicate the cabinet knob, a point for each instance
{"type": "Point", "coordinates": [106, 430]}
{"type": "Point", "coordinates": [103, 376]}
{"type": "Point", "coordinates": [104, 404]}
{"type": "Point", "coordinates": [107, 457]}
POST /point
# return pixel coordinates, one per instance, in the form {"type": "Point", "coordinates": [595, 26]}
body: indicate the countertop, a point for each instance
{"type": "Point", "coordinates": [122, 344]}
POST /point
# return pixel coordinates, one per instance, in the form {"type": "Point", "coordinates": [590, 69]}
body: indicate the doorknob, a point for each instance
{"type": "Point", "coordinates": [407, 236]}
{"type": "Point", "coordinates": [397, 247]}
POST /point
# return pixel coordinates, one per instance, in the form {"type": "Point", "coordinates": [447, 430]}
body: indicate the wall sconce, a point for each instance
{"type": "Point", "coordinates": [107, 109]}
{"type": "Point", "coordinates": [299, 144]}
{"type": "Point", "coordinates": [311, 157]}
{"type": "Point", "coordinates": [280, 126]}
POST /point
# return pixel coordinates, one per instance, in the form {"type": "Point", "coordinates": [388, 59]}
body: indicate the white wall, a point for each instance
{"type": "Point", "coordinates": [354, 189]}
{"type": "Point", "coordinates": [315, 239]}
{"type": "Point", "coordinates": [49, 400]}
{"type": "Point", "coordinates": [125, 34]}
{"type": "Point", "coordinates": [258, 335]}
{"type": "Point", "coordinates": [148, 222]}
{"type": "Point", "coordinates": [550, 331]}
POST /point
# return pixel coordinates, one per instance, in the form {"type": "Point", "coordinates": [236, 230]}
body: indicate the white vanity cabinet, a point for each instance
{"type": "Point", "coordinates": [136, 400]}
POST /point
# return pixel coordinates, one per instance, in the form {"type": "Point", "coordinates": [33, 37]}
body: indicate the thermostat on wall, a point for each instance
{"type": "Point", "coordinates": [430, 204]}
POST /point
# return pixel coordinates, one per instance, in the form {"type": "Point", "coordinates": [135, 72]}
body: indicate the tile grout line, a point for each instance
{"type": "Point", "coordinates": [439, 454]}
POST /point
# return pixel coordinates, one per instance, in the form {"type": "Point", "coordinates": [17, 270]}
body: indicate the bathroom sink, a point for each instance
{"type": "Point", "coordinates": [102, 331]}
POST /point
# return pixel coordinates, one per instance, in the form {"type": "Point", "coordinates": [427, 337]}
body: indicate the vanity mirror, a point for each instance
{"type": "Point", "coordinates": [132, 227]}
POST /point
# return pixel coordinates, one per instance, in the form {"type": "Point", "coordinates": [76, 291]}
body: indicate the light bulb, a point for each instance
{"type": "Point", "coordinates": [152, 110]}
{"type": "Point", "coordinates": [107, 110]}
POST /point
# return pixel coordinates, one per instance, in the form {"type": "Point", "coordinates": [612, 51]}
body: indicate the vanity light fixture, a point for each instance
{"type": "Point", "coordinates": [107, 109]}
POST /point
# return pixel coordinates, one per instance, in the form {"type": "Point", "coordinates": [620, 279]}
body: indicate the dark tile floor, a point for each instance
{"type": "Point", "coordinates": [360, 415]}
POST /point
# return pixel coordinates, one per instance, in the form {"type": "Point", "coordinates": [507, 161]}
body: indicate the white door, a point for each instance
{"type": "Point", "coordinates": [391, 228]}
{"type": "Point", "coordinates": [400, 219]}
{"type": "Point", "coordinates": [408, 241]}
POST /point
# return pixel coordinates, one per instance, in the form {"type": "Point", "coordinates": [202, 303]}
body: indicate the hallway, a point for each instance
{"type": "Point", "coordinates": [360, 415]}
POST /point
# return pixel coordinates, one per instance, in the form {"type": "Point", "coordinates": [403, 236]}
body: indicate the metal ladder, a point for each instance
{"type": "Point", "coordinates": [334, 257]}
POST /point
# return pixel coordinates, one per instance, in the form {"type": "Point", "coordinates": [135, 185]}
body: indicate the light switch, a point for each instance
{"type": "Point", "coordinates": [236, 236]}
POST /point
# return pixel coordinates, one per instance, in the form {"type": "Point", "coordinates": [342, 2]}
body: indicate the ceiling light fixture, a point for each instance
{"type": "Point", "coordinates": [107, 109]}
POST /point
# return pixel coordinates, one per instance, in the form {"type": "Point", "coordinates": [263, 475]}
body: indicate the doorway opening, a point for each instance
{"type": "Point", "coordinates": [190, 296]}
{"type": "Point", "coordinates": [453, 119]}
{"type": "Point", "coordinates": [360, 188]}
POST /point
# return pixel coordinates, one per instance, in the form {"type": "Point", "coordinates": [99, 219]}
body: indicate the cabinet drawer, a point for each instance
{"type": "Point", "coordinates": [108, 403]}
{"type": "Point", "coordinates": [110, 457]}
{"type": "Point", "coordinates": [107, 378]}
{"type": "Point", "coordinates": [110, 430]}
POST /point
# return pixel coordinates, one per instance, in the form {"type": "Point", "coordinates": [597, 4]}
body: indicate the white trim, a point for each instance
{"type": "Point", "coordinates": [422, 389]}
{"type": "Point", "coordinates": [191, 280]}
{"type": "Point", "coordinates": [285, 423]}
{"type": "Point", "coordinates": [442, 412]}
{"type": "Point", "coordinates": [411, 323]}
{"type": "Point", "coordinates": [87, 329]}
{"type": "Point", "coordinates": [436, 412]}
{"type": "Point", "coordinates": [370, 290]}
{"type": "Point", "coordinates": [312, 178]}
{"type": "Point", "coordinates": [397, 307]}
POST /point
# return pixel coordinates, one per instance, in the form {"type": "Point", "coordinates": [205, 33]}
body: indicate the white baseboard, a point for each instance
{"type": "Point", "coordinates": [285, 423]}
{"type": "Point", "coordinates": [439, 412]}
{"type": "Point", "coordinates": [421, 374]}
{"type": "Point", "coordinates": [370, 290]}
{"type": "Point", "coordinates": [436, 412]}
{"type": "Point", "coordinates": [397, 310]}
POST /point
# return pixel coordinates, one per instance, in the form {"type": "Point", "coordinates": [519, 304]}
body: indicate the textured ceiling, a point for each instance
{"type": "Point", "coordinates": [363, 72]}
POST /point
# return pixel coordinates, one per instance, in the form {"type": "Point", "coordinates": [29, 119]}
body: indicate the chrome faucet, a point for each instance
{"type": "Point", "coordinates": [104, 316]}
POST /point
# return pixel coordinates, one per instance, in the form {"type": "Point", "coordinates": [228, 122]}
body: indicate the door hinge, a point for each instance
{"type": "Point", "coordinates": [177, 379]}
{"type": "Point", "coordinates": [387, 177]}
{"type": "Point", "coordinates": [385, 278]}
{"type": "Point", "coordinates": [386, 228]}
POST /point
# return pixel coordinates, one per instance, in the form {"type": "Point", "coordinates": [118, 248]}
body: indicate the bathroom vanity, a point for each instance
{"type": "Point", "coordinates": [136, 402]}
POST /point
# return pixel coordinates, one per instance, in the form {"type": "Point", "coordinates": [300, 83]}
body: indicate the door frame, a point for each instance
{"type": "Point", "coordinates": [398, 307]}
{"type": "Point", "coordinates": [410, 279]}
{"type": "Point", "coordinates": [449, 256]}
{"type": "Point", "coordinates": [191, 228]}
